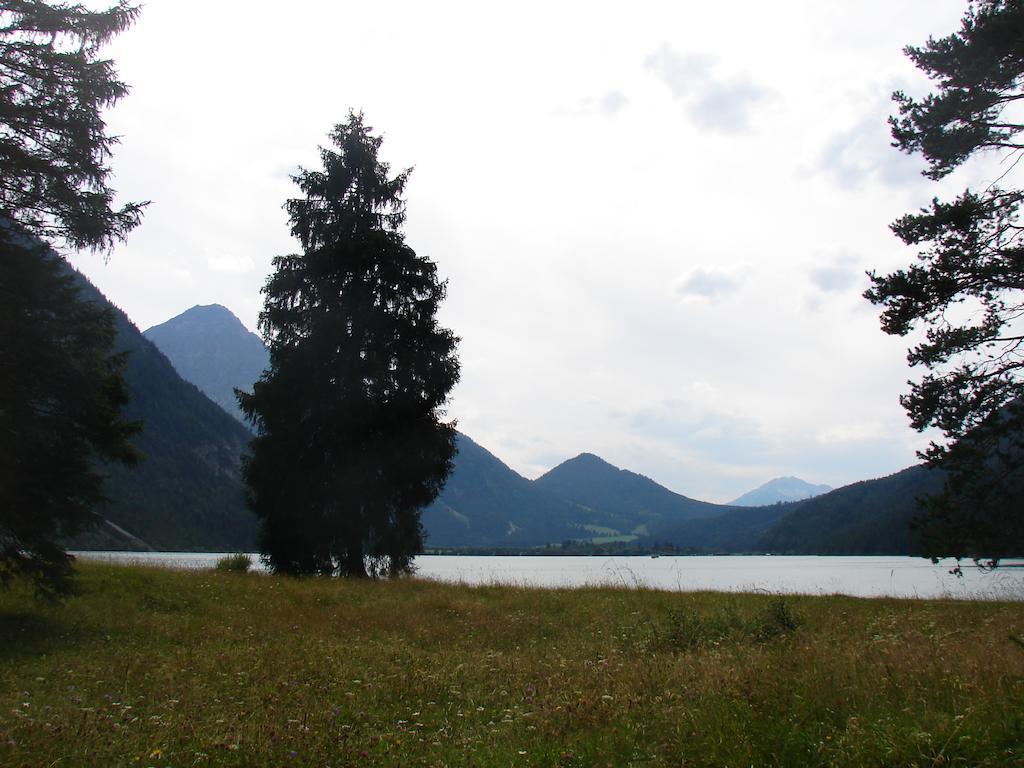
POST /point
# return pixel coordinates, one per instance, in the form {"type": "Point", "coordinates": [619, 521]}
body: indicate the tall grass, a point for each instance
{"type": "Point", "coordinates": [156, 667]}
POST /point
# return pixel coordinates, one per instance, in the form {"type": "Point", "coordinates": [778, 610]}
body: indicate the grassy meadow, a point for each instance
{"type": "Point", "coordinates": [151, 667]}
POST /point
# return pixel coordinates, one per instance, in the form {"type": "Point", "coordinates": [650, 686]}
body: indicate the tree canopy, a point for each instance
{"type": "Point", "coordinates": [966, 290]}
{"type": "Point", "coordinates": [53, 142]}
{"type": "Point", "coordinates": [61, 388]}
{"type": "Point", "coordinates": [350, 440]}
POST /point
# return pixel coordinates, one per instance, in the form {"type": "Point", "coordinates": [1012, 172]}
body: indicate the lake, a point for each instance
{"type": "Point", "coordinates": [875, 576]}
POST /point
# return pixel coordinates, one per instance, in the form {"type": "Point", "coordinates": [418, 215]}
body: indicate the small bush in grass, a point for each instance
{"type": "Point", "coordinates": [777, 619]}
{"type": "Point", "coordinates": [236, 563]}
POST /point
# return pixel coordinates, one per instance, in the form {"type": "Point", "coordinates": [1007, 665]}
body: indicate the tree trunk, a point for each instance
{"type": "Point", "coordinates": [354, 564]}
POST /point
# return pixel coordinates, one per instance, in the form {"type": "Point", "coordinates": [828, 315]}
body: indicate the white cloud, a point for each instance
{"type": "Point", "coordinates": [685, 74]}
{"type": "Point", "coordinates": [710, 283]}
{"type": "Point", "coordinates": [713, 103]}
{"type": "Point", "coordinates": [863, 152]}
{"type": "Point", "coordinates": [612, 102]}
{"type": "Point", "coordinates": [837, 273]}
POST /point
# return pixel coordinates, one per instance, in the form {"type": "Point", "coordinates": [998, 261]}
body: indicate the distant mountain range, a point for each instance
{"type": "Point", "coordinates": [487, 504]}
{"type": "Point", "coordinates": [781, 489]}
{"type": "Point", "coordinates": [189, 494]}
{"type": "Point", "coordinates": [869, 517]}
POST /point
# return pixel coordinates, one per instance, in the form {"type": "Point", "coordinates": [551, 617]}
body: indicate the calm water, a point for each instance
{"type": "Point", "coordinates": [859, 576]}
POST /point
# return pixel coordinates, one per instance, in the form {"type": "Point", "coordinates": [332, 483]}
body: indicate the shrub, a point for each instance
{"type": "Point", "coordinates": [236, 563]}
{"type": "Point", "coordinates": [777, 619]}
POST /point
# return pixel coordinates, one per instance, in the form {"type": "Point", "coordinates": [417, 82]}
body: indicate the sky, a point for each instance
{"type": "Point", "coordinates": [655, 223]}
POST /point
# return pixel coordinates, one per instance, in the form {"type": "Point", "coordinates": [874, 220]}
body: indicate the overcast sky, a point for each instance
{"type": "Point", "coordinates": [654, 222]}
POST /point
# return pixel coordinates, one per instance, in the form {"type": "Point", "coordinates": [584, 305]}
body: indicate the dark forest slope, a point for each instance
{"type": "Point", "coordinates": [487, 504]}
{"type": "Point", "coordinates": [186, 494]}
{"type": "Point", "coordinates": [869, 517]}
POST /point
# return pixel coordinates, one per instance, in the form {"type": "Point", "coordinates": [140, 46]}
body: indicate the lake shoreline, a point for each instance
{"type": "Point", "coordinates": [856, 576]}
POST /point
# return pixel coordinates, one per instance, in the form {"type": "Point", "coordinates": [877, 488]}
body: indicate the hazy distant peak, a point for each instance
{"type": "Point", "coordinates": [781, 489]}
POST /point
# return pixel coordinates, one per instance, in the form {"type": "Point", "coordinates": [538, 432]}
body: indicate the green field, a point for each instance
{"type": "Point", "coordinates": [150, 667]}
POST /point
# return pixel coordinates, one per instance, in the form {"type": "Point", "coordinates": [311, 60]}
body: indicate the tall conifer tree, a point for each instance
{"type": "Point", "coordinates": [350, 439]}
{"type": "Point", "coordinates": [61, 388]}
{"type": "Point", "coordinates": [61, 393]}
{"type": "Point", "coordinates": [966, 289]}
{"type": "Point", "coordinates": [53, 142]}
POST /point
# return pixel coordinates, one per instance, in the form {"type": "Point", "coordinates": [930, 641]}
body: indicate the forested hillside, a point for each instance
{"type": "Point", "coordinates": [487, 504]}
{"type": "Point", "coordinates": [186, 494]}
{"type": "Point", "coordinates": [625, 501]}
{"type": "Point", "coordinates": [870, 517]}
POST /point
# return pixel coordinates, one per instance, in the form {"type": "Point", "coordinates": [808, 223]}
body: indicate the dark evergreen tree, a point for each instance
{"type": "Point", "coordinates": [967, 288]}
{"type": "Point", "coordinates": [53, 144]}
{"type": "Point", "coordinates": [60, 387]}
{"type": "Point", "coordinates": [61, 394]}
{"type": "Point", "coordinates": [350, 444]}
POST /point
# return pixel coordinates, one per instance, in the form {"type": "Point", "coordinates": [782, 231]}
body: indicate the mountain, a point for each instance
{"type": "Point", "coordinates": [211, 348]}
{"type": "Point", "coordinates": [483, 504]}
{"type": "Point", "coordinates": [622, 501]}
{"type": "Point", "coordinates": [780, 489]}
{"type": "Point", "coordinates": [186, 494]}
{"type": "Point", "coordinates": [869, 517]}
{"type": "Point", "coordinates": [487, 504]}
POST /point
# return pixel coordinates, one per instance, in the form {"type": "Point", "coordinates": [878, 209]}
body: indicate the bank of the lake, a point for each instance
{"type": "Point", "coordinates": [858, 576]}
{"type": "Point", "coordinates": [154, 666]}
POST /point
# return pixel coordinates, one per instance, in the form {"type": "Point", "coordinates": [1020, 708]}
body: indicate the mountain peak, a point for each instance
{"type": "Point", "coordinates": [210, 347]}
{"type": "Point", "coordinates": [203, 314]}
{"type": "Point", "coordinates": [781, 489]}
{"type": "Point", "coordinates": [586, 460]}
{"type": "Point", "coordinates": [629, 502]}
{"type": "Point", "coordinates": [212, 309]}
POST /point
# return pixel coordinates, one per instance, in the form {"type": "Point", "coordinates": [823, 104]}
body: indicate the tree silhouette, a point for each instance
{"type": "Point", "coordinates": [967, 288]}
{"type": "Point", "coordinates": [53, 141]}
{"type": "Point", "coordinates": [350, 443]}
{"type": "Point", "coordinates": [61, 393]}
{"type": "Point", "coordinates": [61, 389]}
